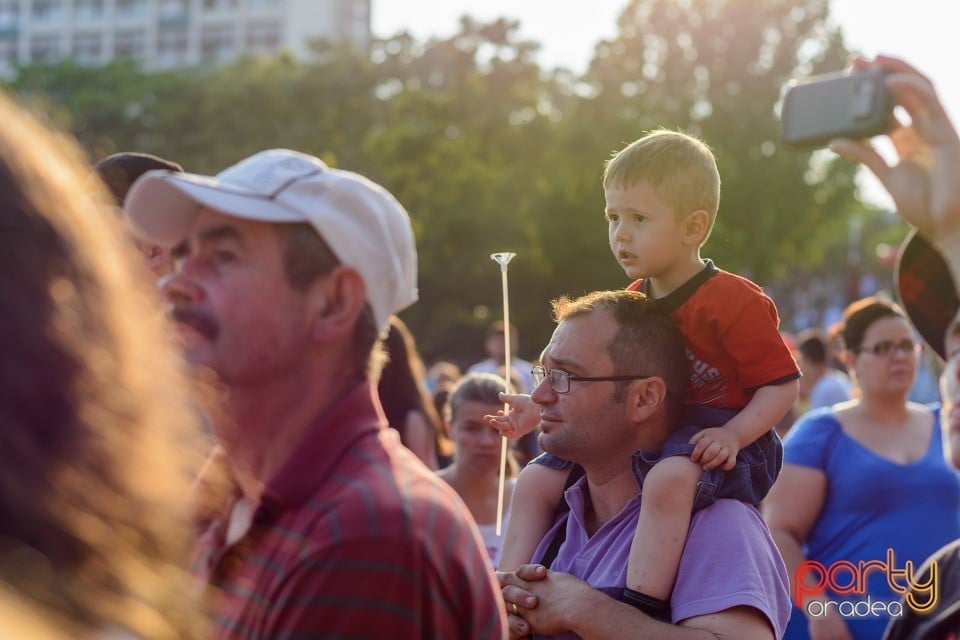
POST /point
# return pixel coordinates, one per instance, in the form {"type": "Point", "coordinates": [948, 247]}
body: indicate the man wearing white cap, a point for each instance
{"type": "Point", "coordinates": [286, 272]}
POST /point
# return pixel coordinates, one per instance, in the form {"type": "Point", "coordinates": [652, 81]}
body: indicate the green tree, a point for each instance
{"type": "Point", "coordinates": [107, 108]}
{"type": "Point", "coordinates": [490, 152]}
{"type": "Point", "coordinates": [716, 68]}
{"type": "Point", "coordinates": [462, 146]}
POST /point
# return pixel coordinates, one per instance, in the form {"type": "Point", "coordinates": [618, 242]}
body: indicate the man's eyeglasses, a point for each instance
{"type": "Point", "coordinates": [889, 347]}
{"type": "Point", "coordinates": [560, 380]}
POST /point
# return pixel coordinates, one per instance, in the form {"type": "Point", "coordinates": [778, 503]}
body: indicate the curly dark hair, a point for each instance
{"type": "Point", "coordinates": [860, 315]}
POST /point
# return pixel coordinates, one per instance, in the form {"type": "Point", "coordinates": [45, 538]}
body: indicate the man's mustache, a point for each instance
{"type": "Point", "coordinates": [202, 323]}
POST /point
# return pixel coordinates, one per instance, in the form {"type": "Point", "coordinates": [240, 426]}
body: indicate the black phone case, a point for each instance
{"type": "Point", "coordinates": [835, 105]}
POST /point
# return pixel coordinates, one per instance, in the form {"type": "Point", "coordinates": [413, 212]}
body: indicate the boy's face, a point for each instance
{"type": "Point", "coordinates": [645, 236]}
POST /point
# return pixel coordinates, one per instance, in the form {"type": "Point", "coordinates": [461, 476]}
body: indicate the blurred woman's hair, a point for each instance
{"type": "Point", "coordinates": [402, 386]}
{"type": "Point", "coordinates": [97, 419]}
{"type": "Point", "coordinates": [483, 388]}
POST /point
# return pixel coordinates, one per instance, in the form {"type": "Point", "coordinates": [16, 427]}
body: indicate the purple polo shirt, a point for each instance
{"type": "Point", "coordinates": [729, 559]}
{"type": "Point", "coordinates": [354, 537]}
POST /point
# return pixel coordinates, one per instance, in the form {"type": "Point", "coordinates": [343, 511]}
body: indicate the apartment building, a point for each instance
{"type": "Point", "coordinates": [161, 34]}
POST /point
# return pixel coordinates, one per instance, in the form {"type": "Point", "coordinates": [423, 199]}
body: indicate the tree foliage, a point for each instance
{"type": "Point", "coordinates": [490, 152]}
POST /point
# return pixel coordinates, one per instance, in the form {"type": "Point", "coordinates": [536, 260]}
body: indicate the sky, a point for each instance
{"type": "Point", "coordinates": [921, 31]}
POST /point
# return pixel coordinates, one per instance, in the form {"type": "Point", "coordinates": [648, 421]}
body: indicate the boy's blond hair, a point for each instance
{"type": "Point", "coordinates": [679, 167]}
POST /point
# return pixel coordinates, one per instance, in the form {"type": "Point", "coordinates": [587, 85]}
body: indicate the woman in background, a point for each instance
{"type": "Point", "coordinates": [442, 376]}
{"type": "Point", "coordinates": [407, 404]}
{"type": "Point", "coordinates": [475, 470]}
{"type": "Point", "coordinates": [97, 420]}
{"type": "Point", "coordinates": [863, 477]}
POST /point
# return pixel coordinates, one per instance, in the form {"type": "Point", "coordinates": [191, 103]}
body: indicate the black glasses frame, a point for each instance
{"type": "Point", "coordinates": [886, 348]}
{"type": "Point", "coordinates": [560, 380]}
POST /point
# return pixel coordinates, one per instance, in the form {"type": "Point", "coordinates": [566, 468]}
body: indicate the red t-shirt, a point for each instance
{"type": "Point", "coordinates": [731, 331]}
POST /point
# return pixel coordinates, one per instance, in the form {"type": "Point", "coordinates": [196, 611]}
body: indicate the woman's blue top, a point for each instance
{"type": "Point", "coordinates": [872, 504]}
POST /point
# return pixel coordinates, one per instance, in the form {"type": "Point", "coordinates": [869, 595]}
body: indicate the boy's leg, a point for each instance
{"type": "Point", "coordinates": [669, 490]}
{"type": "Point", "coordinates": [538, 491]}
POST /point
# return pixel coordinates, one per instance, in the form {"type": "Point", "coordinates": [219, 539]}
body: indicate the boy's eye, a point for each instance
{"type": "Point", "coordinates": [223, 256]}
{"type": "Point", "coordinates": [638, 217]}
{"type": "Point", "coordinates": [611, 217]}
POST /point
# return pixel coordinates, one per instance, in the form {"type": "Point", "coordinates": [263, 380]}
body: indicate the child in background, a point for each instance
{"type": "Point", "coordinates": [662, 194]}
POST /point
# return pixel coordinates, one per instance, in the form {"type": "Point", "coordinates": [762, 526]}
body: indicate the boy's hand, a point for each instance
{"type": "Point", "coordinates": [716, 447]}
{"type": "Point", "coordinates": [522, 419]}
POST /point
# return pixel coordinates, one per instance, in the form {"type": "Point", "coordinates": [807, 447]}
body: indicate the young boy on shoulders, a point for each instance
{"type": "Point", "coordinates": [662, 195]}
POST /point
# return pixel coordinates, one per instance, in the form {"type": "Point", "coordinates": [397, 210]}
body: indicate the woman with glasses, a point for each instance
{"type": "Point", "coordinates": [865, 489]}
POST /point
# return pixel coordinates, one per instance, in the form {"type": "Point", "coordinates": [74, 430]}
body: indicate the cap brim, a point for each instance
{"type": "Point", "coordinates": [926, 290]}
{"type": "Point", "coordinates": [162, 205]}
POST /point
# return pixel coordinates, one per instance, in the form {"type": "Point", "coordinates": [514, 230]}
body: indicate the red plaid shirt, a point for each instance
{"type": "Point", "coordinates": [353, 538]}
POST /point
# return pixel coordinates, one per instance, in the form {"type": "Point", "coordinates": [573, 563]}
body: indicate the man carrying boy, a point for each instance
{"type": "Point", "coordinates": [662, 195]}
{"type": "Point", "coordinates": [612, 382]}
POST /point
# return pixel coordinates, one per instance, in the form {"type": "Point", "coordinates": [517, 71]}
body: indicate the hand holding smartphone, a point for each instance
{"type": "Point", "coordinates": [853, 105]}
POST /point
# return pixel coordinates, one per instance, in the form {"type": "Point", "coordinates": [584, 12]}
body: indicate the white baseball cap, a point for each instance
{"type": "Point", "coordinates": [361, 222]}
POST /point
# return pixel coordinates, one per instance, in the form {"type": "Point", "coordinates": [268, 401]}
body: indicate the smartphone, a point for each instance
{"type": "Point", "coordinates": [836, 105]}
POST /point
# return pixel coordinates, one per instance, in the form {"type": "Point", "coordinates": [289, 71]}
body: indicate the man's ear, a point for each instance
{"type": "Point", "coordinates": [645, 397]}
{"type": "Point", "coordinates": [335, 302]}
{"type": "Point", "coordinates": [695, 227]}
{"type": "Point", "coordinates": [158, 257]}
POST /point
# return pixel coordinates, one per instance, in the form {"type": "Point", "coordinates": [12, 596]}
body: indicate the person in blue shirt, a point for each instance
{"type": "Point", "coordinates": [864, 481]}
{"type": "Point", "coordinates": [923, 178]}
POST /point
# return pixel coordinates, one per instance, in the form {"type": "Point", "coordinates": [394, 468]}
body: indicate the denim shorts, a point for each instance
{"type": "Point", "coordinates": [757, 468]}
{"type": "Point", "coordinates": [758, 464]}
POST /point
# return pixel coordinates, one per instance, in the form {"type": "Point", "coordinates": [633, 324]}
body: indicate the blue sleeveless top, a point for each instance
{"type": "Point", "coordinates": [872, 504]}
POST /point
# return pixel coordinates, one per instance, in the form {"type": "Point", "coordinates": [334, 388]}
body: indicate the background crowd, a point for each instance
{"type": "Point", "coordinates": [233, 477]}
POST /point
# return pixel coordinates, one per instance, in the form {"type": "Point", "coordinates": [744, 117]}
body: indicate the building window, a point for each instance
{"type": "Point", "coordinates": [45, 49]}
{"type": "Point", "coordinates": [88, 9]}
{"type": "Point", "coordinates": [130, 44]}
{"type": "Point", "coordinates": [9, 13]}
{"type": "Point", "coordinates": [47, 10]}
{"type": "Point", "coordinates": [351, 20]}
{"type": "Point", "coordinates": [173, 8]}
{"type": "Point", "coordinates": [220, 5]}
{"type": "Point", "coordinates": [218, 43]}
{"type": "Point", "coordinates": [128, 8]}
{"type": "Point", "coordinates": [8, 51]}
{"type": "Point", "coordinates": [172, 46]}
{"type": "Point", "coordinates": [87, 48]}
{"type": "Point", "coordinates": [263, 38]}
{"type": "Point", "coordinates": [361, 21]}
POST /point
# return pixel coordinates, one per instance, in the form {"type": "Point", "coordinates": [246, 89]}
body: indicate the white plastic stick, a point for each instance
{"type": "Point", "coordinates": [503, 259]}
